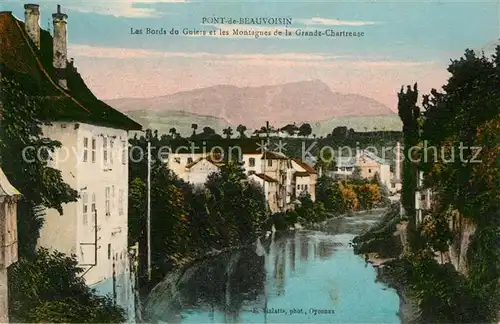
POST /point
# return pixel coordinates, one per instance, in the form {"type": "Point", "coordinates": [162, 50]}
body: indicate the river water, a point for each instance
{"type": "Point", "coordinates": [310, 276]}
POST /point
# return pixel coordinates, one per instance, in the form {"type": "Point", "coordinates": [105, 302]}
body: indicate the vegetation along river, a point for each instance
{"type": "Point", "coordinates": [310, 276]}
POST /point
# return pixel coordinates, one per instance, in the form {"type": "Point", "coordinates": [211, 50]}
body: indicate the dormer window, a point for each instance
{"type": "Point", "coordinates": [189, 160]}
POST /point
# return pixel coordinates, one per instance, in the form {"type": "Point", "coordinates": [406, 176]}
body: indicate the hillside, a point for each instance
{"type": "Point", "coordinates": [305, 101]}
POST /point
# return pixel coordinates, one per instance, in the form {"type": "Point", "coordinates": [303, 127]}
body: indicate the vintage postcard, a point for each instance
{"type": "Point", "coordinates": [191, 161]}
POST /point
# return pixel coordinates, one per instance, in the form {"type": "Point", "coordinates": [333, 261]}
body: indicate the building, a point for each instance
{"type": "Point", "coordinates": [422, 198]}
{"type": "Point", "coordinates": [197, 172]}
{"type": "Point", "coordinates": [93, 158]}
{"type": "Point", "coordinates": [8, 240]}
{"type": "Point", "coordinates": [304, 179]}
{"type": "Point", "coordinates": [368, 165]}
{"type": "Point", "coordinates": [282, 178]}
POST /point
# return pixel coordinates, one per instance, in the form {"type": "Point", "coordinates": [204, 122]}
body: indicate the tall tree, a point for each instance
{"type": "Point", "coordinates": [410, 115]}
{"type": "Point", "coordinates": [194, 127]}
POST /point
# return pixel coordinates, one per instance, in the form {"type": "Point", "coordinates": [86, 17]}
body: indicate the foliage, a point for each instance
{"type": "Point", "coordinates": [410, 116]}
{"type": "Point", "coordinates": [39, 184]}
{"type": "Point", "coordinates": [329, 193]}
{"type": "Point", "coordinates": [49, 288]}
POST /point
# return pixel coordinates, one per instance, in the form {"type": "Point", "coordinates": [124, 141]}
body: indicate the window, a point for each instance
{"type": "Point", "coordinates": [109, 251]}
{"type": "Point", "coordinates": [124, 152]}
{"type": "Point", "coordinates": [85, 205]}
{"type": "Point", "coordinates": [106, 196]}
{"type": "Point", "coordinates": [369, 170]}
{"type": "Point", "coordinates": [393, 185]}
{"type": "Point", "coordinates": [93, 150]}
{"type": "Point", "coordinates": [120, 202]}
{"type": "Point", "coordinates": [111, 144]}
{"type": "Point", "coordinates": [251, 162]}
{"type": "Point", "coordinates": [105, 150]}
{"type": "Point", "coordinates": [298, 187]}
{"type": "Point", "coordinates": [113, 197]}
{"type": "Point", "coordinates": [85, 149]}
{"type": "Point", "coordinates": [305, 187]}
{"type": "Point", "coordinates": [190, 160]}
{"type": "Point", "coordinates": [92, 208]}
{"type": "Point", "coordinates": [270, 163]}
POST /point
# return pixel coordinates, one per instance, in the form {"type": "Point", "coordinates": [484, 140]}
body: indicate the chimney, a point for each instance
{"type": "Point", "coordinates": [32, 22]}
{"type": "Point", "coordinates": [398, 162]}
{"type": "Point", "coordinates": [60, 41]}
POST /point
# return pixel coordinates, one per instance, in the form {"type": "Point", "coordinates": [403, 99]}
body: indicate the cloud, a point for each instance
{"type": "Point", "coordinates": [317, 60]}
{"type": "Point", "coordinates": [334, 22]}
{"type": "Point", "coordinates": [119, 8]}
{"type": "Point", "coordinates": [131, 53]}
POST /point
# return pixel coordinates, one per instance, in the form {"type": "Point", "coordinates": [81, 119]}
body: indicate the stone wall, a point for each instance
{"type": "Point", "coordinates": [4, 297]}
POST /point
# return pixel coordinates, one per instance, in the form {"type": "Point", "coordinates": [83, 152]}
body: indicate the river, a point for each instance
{"type": "Point", "coordinates": [310, 276]}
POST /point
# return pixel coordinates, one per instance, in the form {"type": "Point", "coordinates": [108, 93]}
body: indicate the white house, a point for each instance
{"type": "Point", "coordinates": [93, 158]}
{"type": "Point", "coordinates": [197, 172]}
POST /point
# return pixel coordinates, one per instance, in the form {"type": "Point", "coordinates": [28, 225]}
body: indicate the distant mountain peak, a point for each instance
{"type": "Point", "coordinates": [280, 104]}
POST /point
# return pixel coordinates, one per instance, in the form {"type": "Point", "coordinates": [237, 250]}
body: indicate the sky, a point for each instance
{"type": "Point", "coordinates": [404, 42]}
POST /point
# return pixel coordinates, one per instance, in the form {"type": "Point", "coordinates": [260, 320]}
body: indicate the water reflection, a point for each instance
{"type": "Point", "coordinates": [299, 272]}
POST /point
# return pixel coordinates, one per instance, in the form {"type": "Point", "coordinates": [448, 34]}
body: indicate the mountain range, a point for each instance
{"type": "Point", "coordinates": [225, 105]}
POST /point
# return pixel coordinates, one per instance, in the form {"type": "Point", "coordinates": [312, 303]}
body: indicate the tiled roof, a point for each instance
{"type": "Point", "coordinates": [373, 156]}
{"type": "Point", "coordinates": [208, 158]}
{"type": "Point", "coordinates": [274, 156]}
{"type": "Point", "coordinates": [265, 177]}
{"type": "Point", "coordinates": [6, 188]}
{"type": "Point", "coordinates": [305, 166]}
{"type": "Point", "coordinates": [21, 60]}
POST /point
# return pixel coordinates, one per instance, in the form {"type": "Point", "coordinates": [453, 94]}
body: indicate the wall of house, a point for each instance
{"type": "Point", "coordinates": [198, 174]}
{"type": "Point", "coordinates": [59, 232]}
{"type": "Point", "coordinates": [98, 170]}
{"type": "Point", "coordinates": [368, 167]}
{"type": "Point", "coordinates": [257, 167]}
{"type": "Point", "coordinates": [177, 162]}
{"type": "Point", "coordinates": [4, 296]}
{"type": "Point", "coordinates": [385, 175]}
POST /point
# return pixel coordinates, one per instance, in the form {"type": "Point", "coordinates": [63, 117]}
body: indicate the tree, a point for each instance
{"type": "Point", "coordinates": [50, 288]}
{"type": "Point", "coordinates": [305, 130]}
{"type": "Point", "coordinates": [194, 127]}
{"type": "Point", "coordinates": [40, 185]}
{"type": "Point", "coordinates": [410, 116]}
{"type": "Point", "coordinates": [241, 129]}
{"type": "Point", "coordinates": [228, 132]}
{"type": "Point", "coordinates": [328, 192]}
{"type": "Point", "coordinates": [173, 132]}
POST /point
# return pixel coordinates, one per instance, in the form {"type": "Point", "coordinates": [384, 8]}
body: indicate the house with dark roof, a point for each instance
{"type": "Point", "coordinates": [93, 158]}
{"type": "Point", "coordinates": [304, 179]}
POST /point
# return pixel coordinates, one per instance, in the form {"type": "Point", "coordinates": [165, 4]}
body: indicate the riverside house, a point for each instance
{"type": "Point", "coordinates": [93, 158]}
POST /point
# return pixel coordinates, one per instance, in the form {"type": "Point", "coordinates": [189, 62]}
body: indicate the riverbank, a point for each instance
{"type": "Point", "coordinates": [382, 246]}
